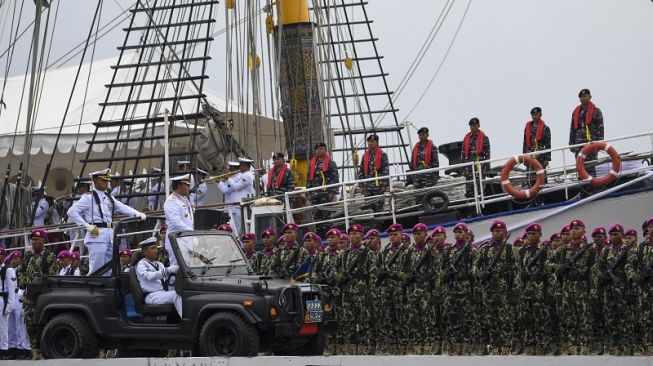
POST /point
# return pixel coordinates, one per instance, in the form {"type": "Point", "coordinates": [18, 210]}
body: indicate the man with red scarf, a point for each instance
{"type": "Point", "coordinates": [537, 136]}
{"type": "Point", "coordinates": [280, 178]}
{"type": "Point", "coordinates": [586, 125]}
{"type": "Point", "coordinates": [476, 148]}
{"type": "Point", "coordinates": [374, 165]}
{"type": "Point", "coordinates": [322, 171]}
{"type": "Point", "coordinates": [425, 156]}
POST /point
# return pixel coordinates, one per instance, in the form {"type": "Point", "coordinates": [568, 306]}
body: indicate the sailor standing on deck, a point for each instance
{"type": "Point", "coordinates": [198, 196]}
{"type": "Point", "coordinates": [155, 201]}
{"type": "Point", "coordinates": [237, 187]}
{"type": "Point", "coordinates": [152, 276]}
{"type": "Point", "coordinates": [179, 211]}
{"type": "Point", "coordinates": [99, 206]}
{"type": "Point", "coordinates": [42, 206]}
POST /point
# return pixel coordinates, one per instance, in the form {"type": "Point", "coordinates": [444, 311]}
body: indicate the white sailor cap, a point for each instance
{"type": "Point", "coordinates": [233, 164]}
{"type": "Point", "coordinates": [84, 181]}
{"type": "Point", "coordinates": [181, 179]}
{"type": "Point", "coordinates": [183, 162]}
{"type": "Point", "coordinates": [156, 170]}
{"type": "Point", "coordinates": [148, 242]}
{"type": "Point", "coordinates": [202, 172]}
{"type": "Point", "coordinates": [104, 174]}
{"type": "Point", "coordinates": [245, 160]}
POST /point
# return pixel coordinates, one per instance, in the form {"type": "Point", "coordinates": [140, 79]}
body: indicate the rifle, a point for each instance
{"type": "Point", "coordinates": [385, 270]}
{"type": "Point", "coordinates": [453, 267]}
{"type": "Point", "coordinates": [418, 268]}
{"type": "Point", "coordinates": [352, 266]}
{"type": "Point", "coordinates": [533, 261]}
{"type": "Point", "coordinates": [490, 268]}
{"type": "Point", "coordinates": [571, 264]}
{"type": "Point", "coordinates": [293, 257]}
{"type": "Point", "coordinates": [617, 263]}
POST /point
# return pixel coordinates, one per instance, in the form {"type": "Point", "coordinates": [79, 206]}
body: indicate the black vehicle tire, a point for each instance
{"type": "Point", "coordinates": [228, 335]}
{"type": "Point", "coordinates": [315, 347]}
{"type": "Point", "coordinates": [69, 336]}
{"type": "Point", "coordinates": [140, 353]}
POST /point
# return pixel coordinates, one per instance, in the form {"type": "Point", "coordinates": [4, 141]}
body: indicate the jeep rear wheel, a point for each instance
{"type": "Point", "coordinates": [69, 336]}
{"type": "Point", "coordinates": [228, 335]}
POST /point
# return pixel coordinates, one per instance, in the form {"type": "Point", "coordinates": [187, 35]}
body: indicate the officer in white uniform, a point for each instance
{"type": "Point", "coordinates": [237, 187]}
{"type": "Point", "coordinates": [152, 276]}
{"type": "Point", "coordinates": [155, 202]}
{"type": "Point", "coordinates": [198, 197]}
{"type": "Point", "coordinates": [99, 206]}
{"type": "Point", "coordinates": [7, 299]}
{"type": "Point", "coordinates": [179, 211]}
{"type": "Point", "coordinates": [18, 339]}
{"type": "Point", "coordinates": [42, 206]}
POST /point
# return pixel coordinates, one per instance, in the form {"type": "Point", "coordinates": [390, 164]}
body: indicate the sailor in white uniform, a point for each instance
{"type": "Point", "coordinates": [198, 197]}
{"type": "Point", "coordinates": [99, 206]}
{"type": "Point", "coordinates": [237, 187]}
{"type": "Point", "coordinates": [17, 331]}
{"type": "Point", "coordinates": [152, 276]}
{"type": "Point", "coordinates": [179, 211]}
{"type": "Point", "coordinates": [42, 206]}
{"type": "Point", "coordinates": [7, 300]}
{"type": "Point", "coordinates": [155, 202]}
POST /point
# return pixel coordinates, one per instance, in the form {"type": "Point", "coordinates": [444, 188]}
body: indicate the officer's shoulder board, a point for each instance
{"type": "Point", "coordinates": [172, 197]}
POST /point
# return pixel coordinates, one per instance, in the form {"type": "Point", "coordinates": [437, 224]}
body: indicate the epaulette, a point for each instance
{"type": "Point", "coordinates": [172, 197]}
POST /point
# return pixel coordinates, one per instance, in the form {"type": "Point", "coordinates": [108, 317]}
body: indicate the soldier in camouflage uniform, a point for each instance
{"type": "Point", "coordinates": [280, 178]}
{"type": "Point", "coordinates": [265, 258]}
{"type": "Point", "coordinates": [537, 136]}
{"type": "Point", "coordinates": [385, 275]}
{"type": "Point", "coordinates": [322, 171]}
{"type": "Point", "coordinates": [425, 156]}
{"type": "Point", "coordinates": [640, 274]}
{"type": "Point", "coordinates": [373, 242]}
{"type": "Point", "coordinates": [374, 164]}
{"type": "Point", "coordinates": [324, 273]}
{"type": "Point", "coordinates": [353, 277]}
{"type": "Point", "coordinates": [586, 126]}
{"type": "Point", "coordinates": [533, 280]}
{"type": "Point", "coordinates": [249, 248]}
{"type": "Point", "coordinates": [38, 262]}
{"type": "Point", "coordinates": [457, 286]}
{"type": "Point", "coordinates": [630, 238]}
{"type": "Point", "coordinates": [476, 148]}
{"type": "Point", "coordinates": [618, 305]}
{"type": "Point", "coordinates": [494, 269]}
{"type": "Point", "coordinates": [417, 282]}
{"type": "Point", "coordinates": [289, 257]}
{"type": "Point", "coordinates": [572, 265]}
{"type": "Point", "coordinates": [306, 271]}
{"type": "Point", "coordinates": [437, 241]}
{"type": "Point", "coordinates": [599, 336]}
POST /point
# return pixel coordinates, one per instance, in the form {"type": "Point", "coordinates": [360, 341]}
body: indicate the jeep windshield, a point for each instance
{"type": "Point", "coordinates": [204, 253]}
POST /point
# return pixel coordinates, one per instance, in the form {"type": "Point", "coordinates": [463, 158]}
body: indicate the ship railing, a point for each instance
{"type": "Point", "coordinates": [561, 176]}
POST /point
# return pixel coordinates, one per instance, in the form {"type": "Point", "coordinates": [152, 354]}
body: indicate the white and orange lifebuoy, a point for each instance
{"type": "Point", "coordinates": [519, 193]}
{"type": "Point", "coordinates": [592, 147]}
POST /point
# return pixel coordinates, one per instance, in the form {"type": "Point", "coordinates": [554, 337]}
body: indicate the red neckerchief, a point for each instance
{"type": "Point", "coordinates": [419, 247]}
{"type": "Point", "coordinates": [377, 160]}
{"type": "Point", "coordinates": [279, 180]}
{"type": "Point", "coordinates": [538, 134]}
{"type": "Point", "coordinates": [480, 140]}
{"type": "Point", "coordinates": [589, 114]}
{"type": "Point", "coordinates": [427, 155]}
{"type": "Point", "coordinates": [332, 251]}
{"type": "Point", "coordinates": [325, 166]}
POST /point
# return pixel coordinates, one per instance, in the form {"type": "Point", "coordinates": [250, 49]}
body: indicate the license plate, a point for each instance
{"type": "Point", "coordinates": [313, 311]}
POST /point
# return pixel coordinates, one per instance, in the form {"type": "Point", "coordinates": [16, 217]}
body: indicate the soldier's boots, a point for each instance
{"type": "Point", "coordinates": [340, 349]}
{"type": "Point", "coordinates": [36, 354]}
{"type": "Point", "coordinates": [350, 349]}
{"type": "Point", "coordinates": [437, 348]}
{"type": "Point", "coordinates": [427, 349]}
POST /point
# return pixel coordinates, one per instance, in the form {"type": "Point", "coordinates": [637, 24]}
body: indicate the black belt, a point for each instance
{"type": "Point", "coordinates": [145, 294]}
{"type": "Point", "coordinates": [102, 224]}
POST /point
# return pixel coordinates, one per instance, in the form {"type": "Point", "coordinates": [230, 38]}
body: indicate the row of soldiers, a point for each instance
{"type": "Point", "coordinates": [428, 296]}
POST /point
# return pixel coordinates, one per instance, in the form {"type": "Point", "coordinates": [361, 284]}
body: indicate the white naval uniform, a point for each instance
{"type": "Point", "coordinates": [41, 212]}
{"type": "Point", "coordinates": [198, 197]}
{"type": "Point", "coordinates": [7, 285]}
{"type": "Point", "coordinates": [17, 330]}
{"type": "Point", "coordinates": [100, 247]}
{"type": "Point", "coordinates": [150, 277]}
{"type": "Point", "coordinates": [237, 187]}
{"type": "Point", "coordinates": [179, 217]}
{"type": "Point", "coordinates": [69, 271]}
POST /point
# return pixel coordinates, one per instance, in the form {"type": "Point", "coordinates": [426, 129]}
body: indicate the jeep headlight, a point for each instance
{"type": "Point", "coordinates": [286, 300]}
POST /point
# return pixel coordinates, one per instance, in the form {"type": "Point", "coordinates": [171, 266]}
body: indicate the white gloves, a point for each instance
{"type": "Point", "coordinates": [142, 216]}
{"type": "Point", "coordinates": [89, 227]}
{"type": "Point", "coordinates": [172, 269]}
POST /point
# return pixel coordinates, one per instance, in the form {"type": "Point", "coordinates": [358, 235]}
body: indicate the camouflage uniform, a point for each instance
{"type": "Point", "coordinates": [497, 292]}
{"type": "Point", "coordinates": [376, 300]}
{"type": "Point", "coordinates": [425, 179]}
{"type": "Point", "coordinates": [375, 187]}
{"type": "Point", "coordinates": [420, 321]}
{"type": "Point", "coordinates": [436, 300]}
{"type": "Point", "coordinates": [611, 276]}
{"type": "Point", "coordinates": [457, 288]}
{"type": "Point", "coordinates": [594, 131]}
{"type": "Point", "coordinates": [473, 156]}
{"type": "Point", "coordinates": [576, 283]}
{"type": "Point", "coordinates": [263, 261]}
{"type": "Point", "coordinates": [536, 145]}
{"type": "Point", "coordinates": [640, 273]}
{"type": "Point", "coordinates": [281, 267]}
{"type": "Point", "coordinates": [324, 273]}
{"type": "Point", "coordinates": [392, 297]}
{"type": "Point", "coordinates": [321, 178]}
{"type": "Point", "coordinates": [532, 282]}
{"type": "Point", "coordinates": [599, 338]}
{"type": "Point", "coordinates": [355, 309]}
{"type": "Point", "coordinates": [287, 183]}
{"type": "Point", "coordinates": [35, 265]}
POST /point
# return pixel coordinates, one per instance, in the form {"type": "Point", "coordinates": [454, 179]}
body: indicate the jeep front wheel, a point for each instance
{"type": "Point", "coordinates": [228, 335]}
{"type": "Point", "coordinates": [69, 336]}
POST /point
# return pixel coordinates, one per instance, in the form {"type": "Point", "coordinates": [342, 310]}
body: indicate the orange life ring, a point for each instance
{"type": "Point", "coordinates": [518, 193]}
{"type": "Point", "coordinates": [592, 147]}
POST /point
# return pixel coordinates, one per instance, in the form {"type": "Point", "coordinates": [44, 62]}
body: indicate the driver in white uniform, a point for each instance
{"type": "Point", "coordinates": [152, 276]}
